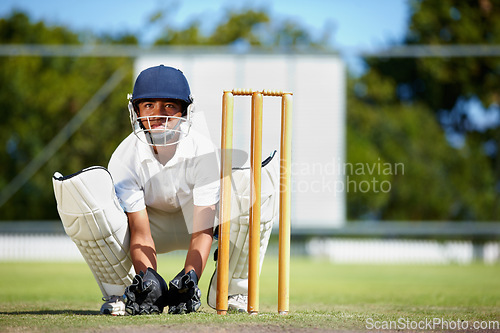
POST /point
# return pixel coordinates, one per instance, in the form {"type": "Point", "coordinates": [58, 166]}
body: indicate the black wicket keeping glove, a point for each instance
{"type": "Point", "coordinates": [184, 296]}
{"type": "Point", "coordinates": [146, 295]}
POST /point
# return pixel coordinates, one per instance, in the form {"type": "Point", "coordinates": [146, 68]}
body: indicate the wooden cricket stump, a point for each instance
{"type": "Point", "coordinates": [255, 194]}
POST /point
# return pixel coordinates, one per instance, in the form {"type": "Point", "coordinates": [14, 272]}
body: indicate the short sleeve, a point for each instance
{"type": "Point", "coordinates": [128, 189]}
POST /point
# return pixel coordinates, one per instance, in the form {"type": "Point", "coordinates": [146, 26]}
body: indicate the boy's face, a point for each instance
{"type": "Point", "coordinates": [159, 107]}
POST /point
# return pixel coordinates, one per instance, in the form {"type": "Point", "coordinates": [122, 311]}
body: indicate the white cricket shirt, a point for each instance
{"type": "Point", "coordinates": [141, 180]}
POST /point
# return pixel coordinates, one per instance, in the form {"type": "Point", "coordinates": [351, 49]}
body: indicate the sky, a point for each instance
{"type": "Point", "coordinates": [356, 24]}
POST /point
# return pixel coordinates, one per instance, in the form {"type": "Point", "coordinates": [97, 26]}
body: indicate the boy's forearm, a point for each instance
{"type": "Point", "coordinates": [199, 251]}
{"type": "Point", "coordinates": [142, 247]}
{"type": "Point", "coordinates": [143, 255]}
{"type": "Point", "coordinates": [201, 239]}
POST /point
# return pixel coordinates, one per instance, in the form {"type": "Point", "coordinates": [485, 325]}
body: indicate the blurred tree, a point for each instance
{"type": "Point", "coordinates": [39, 96]}
{"type": "Point", "coordinates": [253, 27]}
{"type": "Point", "coordinates": [441, 182]}
{"type": "Point", "coordinates": [240, 26]}
{"type": "Point", "coordinates": [418, 175]}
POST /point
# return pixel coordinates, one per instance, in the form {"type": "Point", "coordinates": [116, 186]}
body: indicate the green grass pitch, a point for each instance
{"type": "Point", "coordinates": [59, 296]}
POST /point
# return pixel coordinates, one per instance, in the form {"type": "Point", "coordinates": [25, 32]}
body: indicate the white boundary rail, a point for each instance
{"type": "Point", "coordinates": [357, 242]}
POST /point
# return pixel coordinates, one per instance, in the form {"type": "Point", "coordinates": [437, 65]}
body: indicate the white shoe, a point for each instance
{"type": "Point", "coordinates": [238, 302]}
{"type": "Point", "coordinates": [113, 305]}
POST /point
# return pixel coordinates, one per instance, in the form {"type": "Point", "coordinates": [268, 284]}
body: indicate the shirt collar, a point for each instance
{"type": "Point", "coordinates": [144, 151]}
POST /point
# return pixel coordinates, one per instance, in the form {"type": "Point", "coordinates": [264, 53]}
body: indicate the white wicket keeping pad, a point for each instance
{"type": "Point", "coordinates": [93, 218]}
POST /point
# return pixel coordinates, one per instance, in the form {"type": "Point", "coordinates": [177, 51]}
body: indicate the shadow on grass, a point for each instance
{"type": "Point", "coordinates": [52, 312]}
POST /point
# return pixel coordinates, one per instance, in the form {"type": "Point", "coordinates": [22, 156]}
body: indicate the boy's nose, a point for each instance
{"type": "Point", "coordinates": [159, 110]}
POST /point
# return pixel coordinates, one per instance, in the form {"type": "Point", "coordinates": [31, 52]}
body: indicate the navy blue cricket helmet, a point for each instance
{"type": "Point", "coordinates": [162, 82]}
